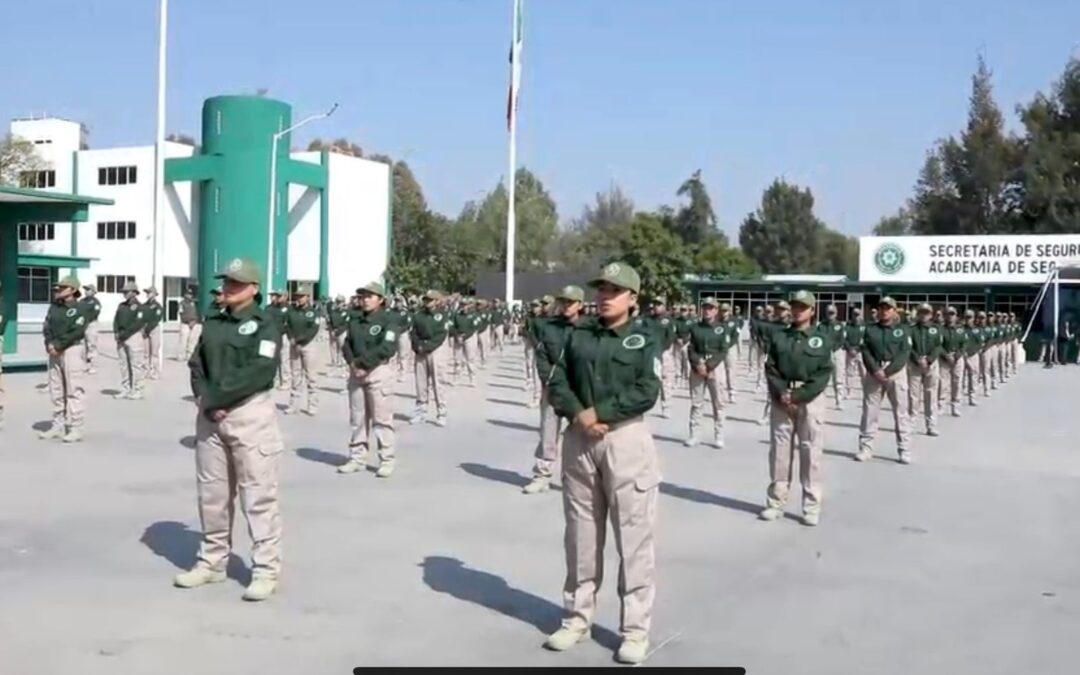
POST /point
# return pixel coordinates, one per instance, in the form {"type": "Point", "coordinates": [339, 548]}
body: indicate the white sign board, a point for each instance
{"type": "Point", "coordinates": [1022, 258]}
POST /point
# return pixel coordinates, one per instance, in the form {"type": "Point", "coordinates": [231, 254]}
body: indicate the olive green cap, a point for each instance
{"type": "Point", "coordinates": [150, 290]}
{"type": "Point", "coordinates": [710, 302]}
{"type": "Point", "coordinates": [547, 300]}
{"type": "Point", "coordinates": [950, 310]}
{"type": "Point", "coordinates": [783, 304]}
{"type": "Point", "coordinates": [982, 314]}
{"type": "Point", "coordinates": [241, 269]}
{"type": "Point", "coordinates": [130, 287]}
{"type": "Point", "coordinates": [303, 288]}
{"type": "Point", "coordinates": [926, 307]}
{"type": "Point", "coordinates": [571, 293]}
{"type": "Point", "coordinates": [534, 303]}
{"type": "Point", "coordinates": [888, 301]}
{"type": "Point", "coordinates": [970, 314]}
{"type": "Point", "coordinates": [804, 297]}
{"type": "Point", "coordinates": [69, 281]}
{"type": "Point", "coordinates": [619, 274]}
{"type": "Point", "coordinates": [374, 288]}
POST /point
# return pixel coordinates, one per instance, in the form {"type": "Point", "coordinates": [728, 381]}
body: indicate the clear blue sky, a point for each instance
{"type": "Point", "coordinates": [842, 95]}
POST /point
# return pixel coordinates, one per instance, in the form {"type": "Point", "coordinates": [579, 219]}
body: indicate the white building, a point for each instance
{"type": "Point", "coordinates": [116, 244]}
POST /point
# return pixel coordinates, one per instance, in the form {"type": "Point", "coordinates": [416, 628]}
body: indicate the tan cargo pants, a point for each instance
{"type": "Point", "coordinates": [428, 383]}
{"type": "Point", "coordinates": [371, 413]}
{"type": "Point", "coordinates": [336, 341]}
{"type": "Point", "coordinates": [404, 354]}
{"type": "Point", "coordinates": [90, 345]}
{"type": "Point", "coordinates": [804, 432]}
{"type": "Point", "coordinates": [464, 354]}
{"type": "Point", "coordinates": [481, 347]}
{"type": "Point", "coordinates": [838, 381]}
{"type": "Point", "coordinates": [240, 456]}
{"type": "Point", "coordinates": [616, 477]}
{"type": "Point", "coordinates": [730, 366]}
{"type": "Point", "coordinates": [67, 390]}
{"type": "Point", "coordinates": [971, 376]}
{"type": "Point", "coordinates": [953, 375]}
{"type": "Point", "coordinates": [922, 394]}
{"type": "Point", "coordinates": [874, 392]}
{"type": "Point", "coordinates": [282, 379]}
{"type": "Point", "coordinates": [153, 353]}
{"type": "Point", "coordinates": [547, 448]}
{"type": "Point", "coordinates": [667, 378]}
{"type": "Point", "coordinates": [444, 358]}
{"type": "Point", "coordinates": [698, 386]}
{"type": "Point", "coordinates": [189, 338]}
{"type": "Point", "coordinates": [853, 366]}
{"type": "Point", "coordinates": [132, 365]}
{"type": "Point", "coordinates": [302, 366]}
{"type": "Point", "coordinates": [532, 378]}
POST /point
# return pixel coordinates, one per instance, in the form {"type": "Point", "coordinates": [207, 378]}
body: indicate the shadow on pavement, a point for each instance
{"type": "Point", "coordinates": [43, 425]}
{"type": "Point", "coordinates": [505, 376]}
{"type": "Point", "coordinates": [504, 386]}
{"type": "Point", "coordinates": [110, 392]}
{"type": "Point", "coordinates": [505, 401]}
{"type": "Point", "coordinates": [188, 442]}
{"type": "Point", "coordinates": [180, 546]}
{"type": "Point", "coordinates": [452, 577]}
{"type": "Point", "coordinates": [837, 453]}
{"type": "Point", "coordinates": [514, 425]}
{"type": "Point", "coordinates": [702, 497]}
{"type": "Point", "coordinates": [321, 456]}
{"type": "Point", "coordinates": [499, 475]}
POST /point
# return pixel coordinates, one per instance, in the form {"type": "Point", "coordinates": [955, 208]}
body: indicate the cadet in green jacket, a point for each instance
{"type": "Point", "coordinates": [926, 350]}
{"type": "Point", "coordinates": [238, 444]}
{"type": "Point", "coordinates": [91, 309]}
{"type": "Point", "coordinates": [662, 327]}
{"type": "Point", "coordinates": [780, 320]}
{"type": "Point", "coordinates": [953, 341]}
{"type": "Point", "coordinates": [369, 346]}
{"type": "Point", "coordinates": [128, 325]}
{"type": "Point", "coordinates": [799, 366]}
{"type": "Point", "coordinates": [190, 326]}
{"type": "Point", "coordinates": [832, 329]}
{"type": "Point", "coordinates": [65, 327]}
{"type": "Point", "coordinates": [464, 332]}
{"type": "Point", "coordinates": [731, 325]}
{"type": "Point", "coordinates": [550, 348]}
{"type": "Point", "coordinates": [153, 313]}
{"type": "Point", "coordinates": [278, 312]}
{"type": "Point", "coordinates": [303, 327]}
{"type": "Point", "coordinates": [710, 343]}
{"type": "Point", "coordinates": [337, 321]}
{"type": "Point", "coordinates": [886, 351]}
{"type": "Point", "coordinates": [428, 338]}
{"type": "Point", "coordinates": [528, 341]}
{"type": "Point", "coordinates": [853, 338]}
{"type": "Point", "coordinates": [606, 382]}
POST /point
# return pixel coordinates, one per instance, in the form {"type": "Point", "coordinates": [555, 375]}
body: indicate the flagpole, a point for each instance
{"type": "Point", "coordinates": [511, 176]}
{"type": "Point", "coordinates": [158, 255]}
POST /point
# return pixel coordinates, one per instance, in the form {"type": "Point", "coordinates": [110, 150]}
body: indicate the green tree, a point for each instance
{"type": "Point", "coordinates": [784, 235]}
{"type": "Point", "coordinates": [341, 146]}
{"type": "Point", "coordinates": [657, 254]}
{"type": "Point", "coordinates": [484, 225]}
{"type": "Point", "coordinates": [602, 225]}
{"type": "Point", "coordinates": [16, 156]}
{"type": "Point", "coordinates": [1049, 173]}
{"type": "Point", "coordinates": [897, 225]}
{"type": "Point", "coordinates": [716, 260]}
{"type": "Point", "coordinates": [696, 221]}
{"type": "Point", "coordinates": [840, 255]}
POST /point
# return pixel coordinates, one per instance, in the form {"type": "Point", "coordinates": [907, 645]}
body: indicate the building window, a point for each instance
{"type": "Point", "coordinates": [37, 231]}
{"type": "Point", "coordinates": [45, 141]}
{"type": "Point", "coordinates": [117, 175]}
{"type": "Point", "coordinates": [37, 179]}
{"type": "Point", "coordinates": [123, 229]}
{"type": "Point", "coordinates": [35, 284]}
{"type": "Point", "coordinates": [112, 283]}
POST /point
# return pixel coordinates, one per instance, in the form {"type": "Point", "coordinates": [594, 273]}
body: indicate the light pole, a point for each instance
{"type": "Point", "coordinates": [273, 189]}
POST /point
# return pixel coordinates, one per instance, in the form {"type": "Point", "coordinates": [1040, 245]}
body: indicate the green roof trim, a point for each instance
{"type": "Point", "coordinates": [46, 197]}
{"type": "Point", "coordinates": [42, 260]}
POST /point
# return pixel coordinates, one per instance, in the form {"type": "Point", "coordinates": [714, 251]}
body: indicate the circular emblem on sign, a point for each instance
{"type": "Point", "coordinates": [612, 270]}
{"type": "Point", "coordinates": [815, 342]}
{"type": "Point", "coordinates": [310, 314]}
{"type": "Point", "coordinates": [933, 331]}
{"type": "Point", "coordinates": [235, 265]}
{"type": "Point", "coordinates": [889, 258]}
{"type": "Point", "coordinates": [247, 328]}
{"type": "Point", "coordinates": [438, 317]}
{"type": "Point", "coordinates": [898, 332]}
{"type": "Point", "coordinates": [375, 330]}
{"type": "Point", "coordinates": [71, 312]}
{"type": "Point", "coordinates": [633, 342]}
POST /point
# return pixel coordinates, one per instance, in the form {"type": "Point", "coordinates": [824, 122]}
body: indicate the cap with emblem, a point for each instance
{"type": "Point", "coordinates": [782, 305]}
{"type": "Point", "coordinates": [830, 309]}
{"type": "Point", "coordinates": [89, 287]}
{"type": "Point", "coordinates": [725, 306]}
{"type": "Point", "coordinates": [982, 314]}
{"type": "Point", "coordinates": [950, 310]}
{"type": "Point", "coordinates": [303, 288]}
{"type": "Point", "coordinates": [130, 287]}
{"type": "Point", "coordinates": [150, 291]}
{"type": "Point", "coordinates": [618, 274]}
{"type": "Point", "coordinates": [374, 288]}
{"type": "Point", "coordinates": [242, 270]}
{"type": "Point", "coordinates": [710, 302]}
{"type": "Point", "coordinates": [547, 300]}
{"type": "Point", "coordinates": [534, 303]}
{"type": "Point", "coordinates": [925, 307]}
{"type": "Point", "coordinates": [571, 293]}
{"type": "Point", "coordinates": [888, 301]}
{"type": "Point", "coordinates": [69, 281]}
{"type": "Point", "coordinates": [970, 314]}
{"type": "Point", "coordinates": [659, 300]}
{"type": "Point", "coordinates": [857, 311]}
{"type": "Point", "coordinates": [804, 297]}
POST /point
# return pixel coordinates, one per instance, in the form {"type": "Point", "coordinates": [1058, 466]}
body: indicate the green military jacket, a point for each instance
{"type": "Point", "coordinates": [404, 319]}
{"type": "Point", "coordinates": [153, 312]}
{"type": "Point", "coordinates": [682, 328]}
{"type": "Point", "coordinates": [337, 319]}
{"type": "Point", "coordinates": [612, 370]}
{"type": "Point", "coordinates": [551, 346]}
{"type": "Point", "coordinates": [189, 312]}
{"type": "Point", "coordinates": [887, 347]}
{"type": "Point", "coordinates": [766, 330]}
{"type": "Point", "coordinates": [974, 341]}
{"type": "Point", "coordinates": [91, 308]}
{"type": "Point", "coordinates": [709, 343]}
{"type": "Point", "coordinates": [236, 358]}
{"type": "Point", "coordinates": [926, 342]}
{"type": "Point", "coordinates": [731, 324]}
{"type": "Point", "coordinates": [302, 324]}
{"type": "Point", "coordinates": [465, 324]}
{"type": "Point", "coordinates": [853, 335]}
{"type": "Point", "coordinates": [834, 332]}
{"type": "Point", "coordinates": [64, 326]}
{"type": "Point", "coordinates": [429, 331]}
{"type": "Point", "coordinates": [663, 329]}
{"type": "Point", "coordinates": [953, 341]}
{"type": "Point", "coordinates": [128, 320]}
{"type": "Point", "coordinates": [799, 361]}
{"type": "Point", "coordinates": [372, 339]}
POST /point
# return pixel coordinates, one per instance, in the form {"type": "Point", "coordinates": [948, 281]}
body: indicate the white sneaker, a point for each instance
{"type": "Point", "coordinates": [811, 519]}
{"type": "Point", "coordinates": [565, 638]}
{"type": "Point", "coordinates": [440, 421]}
{"type": "Point", "coordinates": [352, 466]}
{"type": "Point", "coordinates": [691, 441]}
{"type": "Point", "coordinates": [537, 485]}
{"type": "Point", "coordinates": [198, 576]}
{"type": "Point", "coordinates": [718, 443]}
{"type": "Point", "coordinates": [771, 513]}
{"type": "Point", "coordinates": [633, 651]}
{"type": "Point", "coordinates": [863, 455]}
{"type": "Point", "coordinates": [905, 457]}
{"type": "Point", "coordinates": [260, 589]}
